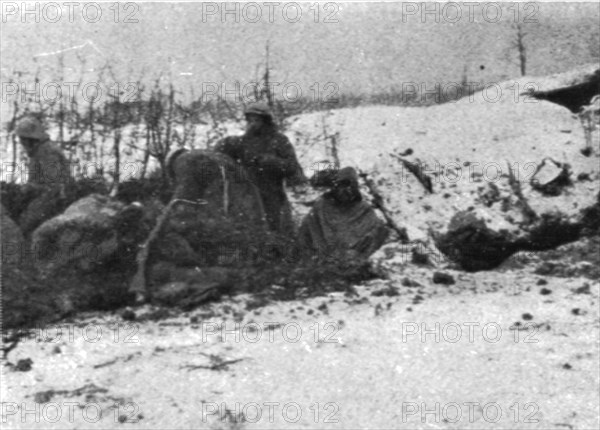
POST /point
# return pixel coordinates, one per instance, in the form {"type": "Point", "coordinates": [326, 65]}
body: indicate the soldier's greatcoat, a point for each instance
{"type": "Point", "coordinates": [270, 159]}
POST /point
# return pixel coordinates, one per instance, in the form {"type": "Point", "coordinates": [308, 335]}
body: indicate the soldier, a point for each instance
{"type": "Point", "coordinates": [48, 175]}
{"type": "Point", "coordinates": [270, 159]}
{"type": "Point", "coordinates": [340, 225]}
{"type": "Point", "coordinates": [47, 164]}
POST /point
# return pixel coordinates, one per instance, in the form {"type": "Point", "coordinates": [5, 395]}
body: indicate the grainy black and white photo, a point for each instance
{"type": "Point", "coordinates": [300, 215]}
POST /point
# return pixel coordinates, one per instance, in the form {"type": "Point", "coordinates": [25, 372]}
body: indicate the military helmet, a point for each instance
{"type": "Point", "coordinates": [261, 109]}
{"type": "Point", "coordinates": [32, 128]}
{"type": "Point", "coordinates": [346, 174]}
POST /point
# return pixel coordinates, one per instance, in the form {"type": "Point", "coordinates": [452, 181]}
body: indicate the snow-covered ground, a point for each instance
{"type": "Point", "coordinates": [453, 360]}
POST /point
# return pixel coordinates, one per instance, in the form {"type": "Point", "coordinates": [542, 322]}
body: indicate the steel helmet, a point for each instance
{"type": "Point", "coordinates": [32, 128]}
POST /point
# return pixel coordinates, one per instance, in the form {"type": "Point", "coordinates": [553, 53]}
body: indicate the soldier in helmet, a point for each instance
{"type": "Point", "coordinates": [47, 164]}
{"type": "Point", "coordinates": [48, 174]}
{"type": "Point", "coordinates": [340, 225]}
{"type": "Point", "coordinates": [270, 159]}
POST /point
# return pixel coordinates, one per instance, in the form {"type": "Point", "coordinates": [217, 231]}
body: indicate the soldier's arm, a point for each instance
{"type": "Point", "coordinates": [284, 162]}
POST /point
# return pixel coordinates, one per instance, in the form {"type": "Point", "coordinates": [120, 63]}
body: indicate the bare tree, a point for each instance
{"type": "Point", "coordinates": [519, 44]}
{"type": "Point", "coordinates": [267, 76]}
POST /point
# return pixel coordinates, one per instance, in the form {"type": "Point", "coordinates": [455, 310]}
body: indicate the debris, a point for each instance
{"type": "Point", "coordinates": [43, 396]}
{"type": "Point", "coordinates": [378, 309]}
{"type": "Point", "coordinates": [323, 308]}
{"type": "Point", "coordinates": [128, 315]}
{"type": "Point", "coordinates": [584, 177]}
{"type": "Point", "coordinates": [216, 363]}
{"type": "Point", "coordinates": [138, 284]}
{"type": "Point", "coordinates": [584, 289]}
{"type": "Point", "coordinates": [443, 278]}
{"type": "Point", "coordinates": [417, 299]}
{"type": "Point", "coordinates": [417, 171]}
{"type": "Point", "coordinates": [419, 257]}
{"type": "Point", "coordinates": [378, 203]}
{"type": "Point", "coordinates": [551, 177]}
{"type": "Point", "coordinates": [407, 282]}
{"type": "Point", "coordinates": [24, 365]}
{"type": "Point", "coordinates": [528, 214]}
{"type": "Point", "coordinates": [390, 291]}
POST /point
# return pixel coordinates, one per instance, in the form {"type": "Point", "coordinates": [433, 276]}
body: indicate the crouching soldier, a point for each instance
{"type": "Point", "coordinates": [48, 175]}
{"type": "Point", "coordinates": [270, 159]}
{"type": "Point", "coordinates": [341, 226]}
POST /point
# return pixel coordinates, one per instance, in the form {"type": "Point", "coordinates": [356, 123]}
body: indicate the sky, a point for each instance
{"type": "Point", "coordinates": [355, 48]}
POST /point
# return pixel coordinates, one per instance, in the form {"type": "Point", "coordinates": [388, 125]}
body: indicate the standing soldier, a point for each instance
{"type": "Point", "coordinates": [48, 174]}
{"type": "Point", "coordinates": [270, 159]}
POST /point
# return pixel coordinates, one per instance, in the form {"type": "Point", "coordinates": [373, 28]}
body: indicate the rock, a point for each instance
{"type": "Point", "coordinates": [471, 243]}
{"type": "Point", "coordinates": [43, 396]}
{"type": "Point", "coordinates": [481, 244]}
{"type": "Point", "coordinates": [89, 232]}
{"type": "Point", "coordinates": [584, 289]}
{"type": "Point", "coordinates": [24, 365]}
{"type": "Point", "coordinates": [417, 299]}
{"type": "Point", "coordinates": [128, 315]}
{"type": "Point", "coordinates": [390, 291]}
{"type": "Point", "coordinates": [584, 177]}
{"type": "Point", "coordinates": [545, 291]}
{"type": "Point", "coordinates": [323, 308]}
{"type": "Point", "coordinates": [392, 257]}
{"type": "Point", "coordinates": [443, 278]}
{"type": "Point", "coordinates": [551, 177]}
{"type": "Point", "coordinates": [527, 316]}
{"type": "Point", "coordinates": [419, 258]}
{"type": "Point", "coordinates": [407, 282]}
{"type": "Point", "coordinates": [541, 281]}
